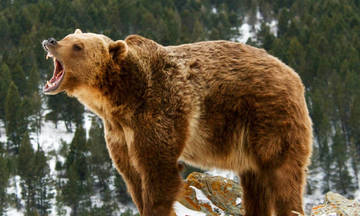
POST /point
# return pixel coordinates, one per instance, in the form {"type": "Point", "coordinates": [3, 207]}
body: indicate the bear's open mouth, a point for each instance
{"type": "Point", "coordinates": [57, 77]}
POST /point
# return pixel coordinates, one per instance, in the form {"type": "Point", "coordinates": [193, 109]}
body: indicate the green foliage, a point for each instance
{"type": "Point", "coordinates": [319, 39]}
{"type": "Point", "coordinates": [101, 169]}
{"type": "Point", "coordinates": [4, 180]}
{"type": "Point", "coordinates": [121, 193]}
{"type": "Point", "coordinates": [189, 169]}
{"type": "Point", "coordinates": [14, 118]}
{"type": "Point", "coordinates": [75, 192]}
{"type": "Point", "coordinates": [36, 182]}
{"type": "Point", "coordinates": [5, 79]}
{"type": "Point", "coordinates": [65, 108]}
{"type": "Point", "coordinates": [128, 212]}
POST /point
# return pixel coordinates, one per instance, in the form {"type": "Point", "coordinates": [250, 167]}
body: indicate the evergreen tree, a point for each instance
{"type": "Point", "coordinates": [15, 123]}
{"type": "Point", "coordinates": [25, 170]}
{"type": "Point", "coordinates": [36, 117]}
{"type": "Point", "coordinates": [341, 176]}
{"type": "Point", "coordinates": [33, 81]}
{"type": "Point", "coordinates": [101, 168]}
{"type": "Point", "coordinates": [44, 183]}
{"type": "Point", "coordinates": [5, 79]}
{"type": "Point", "coordinates": [4, 178]}
{"type": "Point", "coordinates": [65, 108]}
{"type": "Point", "coordinates": [18, 76]}
{"type": "Point", "coordinates": [75, 192]}
{"type": "Point", "coordinates": [121, 193]}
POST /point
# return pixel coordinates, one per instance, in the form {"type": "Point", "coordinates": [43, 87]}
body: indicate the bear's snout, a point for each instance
{"type": "Point", "coordinates": [49, 42]}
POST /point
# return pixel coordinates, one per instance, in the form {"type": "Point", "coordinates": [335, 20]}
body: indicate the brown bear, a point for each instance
{"type": "Point", "coordinates": [211, 104]}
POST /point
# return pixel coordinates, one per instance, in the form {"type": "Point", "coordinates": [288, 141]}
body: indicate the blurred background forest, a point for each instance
{"type": "Point", "coordinates": [320, 39]}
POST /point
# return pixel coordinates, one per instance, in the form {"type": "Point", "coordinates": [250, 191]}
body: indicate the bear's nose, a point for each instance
{"type": "Point", "coordinates": [49, 42]}
{"type": "Point", "coordinates": [52, 41]}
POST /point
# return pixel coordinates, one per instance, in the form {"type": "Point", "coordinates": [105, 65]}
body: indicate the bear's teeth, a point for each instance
{"type": "Point", "coordinates": [48, 55]}
{"type": "Point", "coordinates": [49, 84]}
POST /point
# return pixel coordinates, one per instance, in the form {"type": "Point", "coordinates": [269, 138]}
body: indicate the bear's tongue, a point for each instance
{"type": "Point", "coordinates": [57, 77]}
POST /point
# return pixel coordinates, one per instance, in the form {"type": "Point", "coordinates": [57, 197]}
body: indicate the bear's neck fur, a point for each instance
{"type": "Point", "coordinates": [120, 89]}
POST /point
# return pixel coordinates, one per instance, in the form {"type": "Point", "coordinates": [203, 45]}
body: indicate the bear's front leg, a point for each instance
{"type": "Point", "coordinates": [156, 152]}
{"type": "Point", "coordinates": [130, 175]}
{"type": "Point", "coordinates": [119, 154]}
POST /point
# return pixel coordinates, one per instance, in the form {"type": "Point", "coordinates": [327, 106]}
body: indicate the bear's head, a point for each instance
{"type": "Point", "coordinates": [79, 59]}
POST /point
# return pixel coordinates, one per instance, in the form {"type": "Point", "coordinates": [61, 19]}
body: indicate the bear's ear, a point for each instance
{"type": "Point", "coordinates": [77, 31]}
{"type": "Point", "coordinates": [118, 50]}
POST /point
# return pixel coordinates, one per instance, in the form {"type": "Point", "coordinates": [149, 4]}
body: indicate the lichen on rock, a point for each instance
{"type": "Point", "coordinates": [222, 196]}
{"type": "Point", "coordinates": [336, 205]}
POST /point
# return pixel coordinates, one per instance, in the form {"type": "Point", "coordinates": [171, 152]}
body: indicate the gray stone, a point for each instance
{"type": "Point", "coordinates": [223, 195]}
{"type": "Point", "coordinates": [336, 205]}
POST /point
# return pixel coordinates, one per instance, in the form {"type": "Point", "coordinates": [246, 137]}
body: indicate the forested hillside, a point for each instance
{"type": "Point", "coordinates": [320, 39]}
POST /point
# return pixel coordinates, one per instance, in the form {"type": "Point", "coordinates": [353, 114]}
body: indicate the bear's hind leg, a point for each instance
{"type": "Point", "coordinates": [257, 197]}
{"type": "Point", "coordinates": [287, 190]}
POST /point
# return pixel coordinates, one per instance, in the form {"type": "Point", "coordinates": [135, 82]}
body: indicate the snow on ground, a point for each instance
{"type": "Point", "coordinates": [248, 31]}
{"type": "Point", "coordinates": [183, 211]}
{"type": "Point", "coordinates": [88, 118]}
{"type": "Point", "coordinates": [51, 136]}
{"type": "Point", "coordinates": [238, 201]}
{"type": "Point", "coordinates": [201, 197]}
{"type": "Point", "coordinates": [14, 188]}
{"type": "Point", "coordinates": [357, 193]}
{"type": "Point", "coordinates": [224, 173]}
{"type": "Point", "coordinates": [14, 212]}
{"type": "Point", "coordinates": [3, 137]}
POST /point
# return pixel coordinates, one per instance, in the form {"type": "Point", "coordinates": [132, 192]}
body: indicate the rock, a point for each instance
{"type": "Point", "coordinates": [337, 205]}
{"type": "Point", "coordinates": [213, 195]}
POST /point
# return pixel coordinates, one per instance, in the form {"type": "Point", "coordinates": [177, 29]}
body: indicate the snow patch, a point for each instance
{"type": "Point", "coordinates": [51, 136]}
{"type": "Point", "coordinates": [14, 212]}
{"type": "Point", "coordinates": [224, 173]}
{"type": "Point", "coordinates": [200, 196]}
{"type": "Point", "coordinates": [183, 211]}
{"type": "Point", "coordinates": [246, 33]}
{"type": "Point", "coordinates": [88, 119]}
{"type": "Point", "coordinates": [249, 31]}
{"type": "Point", "coordinates": [357, 195]}
{"type": "Point", "coordinates": [238, 201]}
{"type": "Point", "coordinates": [3, 137]}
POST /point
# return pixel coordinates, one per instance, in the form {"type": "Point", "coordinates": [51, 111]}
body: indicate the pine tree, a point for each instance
{"type": "Point", "coordinates": [18, 76]}
{"type": "Point", "coordinates": [44, 183]}
{"type": "Point", "coordinates": [54, 104]}
{"type": "Point", "coordinates": [4, 178]}
{"type": "Point", "coordinates": [341, 177]}
{"type": "Point", "coordinates": [5, 79]}
{"type": "Point", "coordinates": [33, 81]}
{"type": "Point", "coordinates": [266, 37]}
{"type": "Point", "coordinates": [283, 25]}
{"type": "Point", "coordinates": [25, 170]}
{"type": "Point", "coordinates": [14, 118]}
{"type": "Point", "coordinates": [101, 168]}
{"type": "Point", "coordinates": [121, 193]}
{"type": "Point", "coordinates": [75, 192]}
{"type": "Point", "coordinates": [65, 108]}
{"type": "Point", "coordinates": [36, 114]}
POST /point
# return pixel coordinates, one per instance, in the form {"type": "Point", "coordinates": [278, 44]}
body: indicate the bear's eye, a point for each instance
{"type": "Point", "coordinates": [77, 47]}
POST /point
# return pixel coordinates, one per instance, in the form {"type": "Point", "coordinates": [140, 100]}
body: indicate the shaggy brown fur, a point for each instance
{"type": "Point", "coordinates": [211, 104]}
